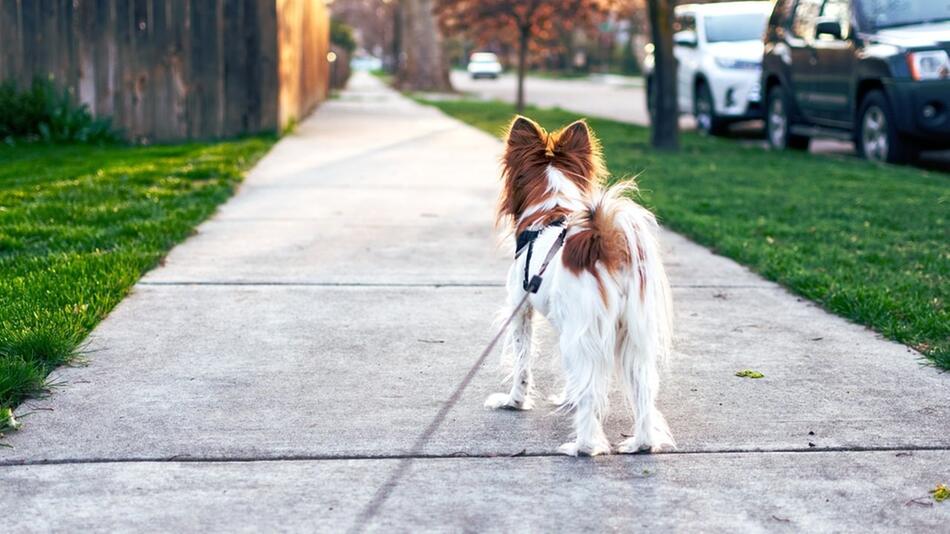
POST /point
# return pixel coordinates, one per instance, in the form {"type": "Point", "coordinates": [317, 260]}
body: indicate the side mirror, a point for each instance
{"type": "Point", "coordinates": [828, 27]}
{"type": "Point", "coordinates": [686, 38]}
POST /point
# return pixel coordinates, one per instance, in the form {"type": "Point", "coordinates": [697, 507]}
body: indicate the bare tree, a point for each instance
{"type": "Point", "coordinates": [664, 132]}
{"type": "Point", "coordinates": [422, 65]}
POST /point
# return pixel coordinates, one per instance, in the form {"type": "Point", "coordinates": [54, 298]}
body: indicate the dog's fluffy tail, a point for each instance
{"type": "Point", "coordinates": [644, 338]}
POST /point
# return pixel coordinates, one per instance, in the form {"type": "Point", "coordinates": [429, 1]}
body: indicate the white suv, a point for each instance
{"type": "Point", "coordinates": [718, 50]}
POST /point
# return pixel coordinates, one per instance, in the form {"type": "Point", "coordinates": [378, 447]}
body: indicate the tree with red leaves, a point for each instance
{"type": "Point", "coordinates": [525, 20]}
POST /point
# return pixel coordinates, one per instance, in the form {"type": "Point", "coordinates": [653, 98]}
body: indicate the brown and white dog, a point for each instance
{"type": "Point", "coordinates": [605, 291]}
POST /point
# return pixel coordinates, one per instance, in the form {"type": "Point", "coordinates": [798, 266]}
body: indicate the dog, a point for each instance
{"type": "Point", "coordinates": [605, 290]}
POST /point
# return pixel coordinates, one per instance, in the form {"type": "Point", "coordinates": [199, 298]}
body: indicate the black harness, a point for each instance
{"type": "Point", "coordinates": [525, 240]}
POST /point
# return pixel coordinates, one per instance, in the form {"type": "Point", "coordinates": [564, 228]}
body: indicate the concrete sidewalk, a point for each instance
{"type": "Point", "coordinates": [290, 368]}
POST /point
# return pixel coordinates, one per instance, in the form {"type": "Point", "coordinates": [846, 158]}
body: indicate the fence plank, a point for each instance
{"type": "Point", "coordinates": [168, 70]}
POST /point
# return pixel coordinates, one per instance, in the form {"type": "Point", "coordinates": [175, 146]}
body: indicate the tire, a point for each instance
{"type": "Point", "coordinates": [778, 123]}
{"type": "Point", "coordinates": [876, 135]}
{"type": "Point", "coordinates": [704, 109]}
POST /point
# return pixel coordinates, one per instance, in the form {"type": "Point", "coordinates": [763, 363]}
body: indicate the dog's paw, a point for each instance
{"type": "Point", "coordinates": [503, 401]}
{"type": "Point", "coordinates": [636, 445]}
{"type": "Point", "coordinates": [575, 448]}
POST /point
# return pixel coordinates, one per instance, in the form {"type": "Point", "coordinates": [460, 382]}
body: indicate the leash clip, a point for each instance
{"type": "Point", "coordinates": [534, 285]}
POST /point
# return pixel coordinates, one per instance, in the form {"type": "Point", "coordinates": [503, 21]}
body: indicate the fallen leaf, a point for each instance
{"type": "Point", "coordinates": [940, 493]}
{"type": "Point", "coordinates": [749, 373]}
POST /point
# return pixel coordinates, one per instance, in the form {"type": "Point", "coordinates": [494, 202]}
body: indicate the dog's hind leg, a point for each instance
{"type": "Point", "coordinates": [518, 343]}
{"type": "Point", "coordinates": [587, 371]}
{"type": "Point", "coordinates": [641, 382]}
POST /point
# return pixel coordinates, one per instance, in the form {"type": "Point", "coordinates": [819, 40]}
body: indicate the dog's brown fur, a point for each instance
{"type": "Point", "coordinates": [530, 149]}
{"type": "Point", "coordinates": [575, 152]}
{"type": "Point", "coordinates": [599, 241]}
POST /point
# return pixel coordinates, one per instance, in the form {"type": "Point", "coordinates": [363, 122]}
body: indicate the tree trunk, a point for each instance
{"type": "Point", "coordinates": [422, 65]}
{"type": "Point", "coordinates": [524, 36]}
{"type": "Point", "coordinates": [664, 132]}
{"type": "Point", "coordinates": [393, 66]}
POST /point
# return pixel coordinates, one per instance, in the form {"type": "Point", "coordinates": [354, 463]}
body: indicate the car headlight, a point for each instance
{"type": "Point", "coordinates": [730, 63]}
{"type": "Point", "coordinates": [929, 65]}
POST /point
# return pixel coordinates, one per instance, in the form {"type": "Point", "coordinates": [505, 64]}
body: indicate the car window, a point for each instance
{"type": "Point", "coordinates": [737, 27]}
{"type": "Point", "coordinates": [684, 23]}
{"type": "Point", "coordinates": [483, 57]}
{"type": "Point", "coordinates": [838, 10]}
{"type": "Point", "coordinates": [878, 14]}
{"type": "Point", "coordinates": [806, 15]}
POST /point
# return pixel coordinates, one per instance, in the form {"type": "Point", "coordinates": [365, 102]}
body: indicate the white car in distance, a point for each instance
{"type": "Point", "coordinates": [718, 50]}
{"type": "Point", "coordinates": [484, 65]}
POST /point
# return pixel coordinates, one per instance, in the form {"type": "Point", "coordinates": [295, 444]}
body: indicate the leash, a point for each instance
{"type": "Point", "coordinates": [530, 286]}
{"type": "Point", "coordinates": [384, 491]}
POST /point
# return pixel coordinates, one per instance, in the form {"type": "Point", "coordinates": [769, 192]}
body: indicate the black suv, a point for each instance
{"type": "Point", "coordinates": [873, 71]}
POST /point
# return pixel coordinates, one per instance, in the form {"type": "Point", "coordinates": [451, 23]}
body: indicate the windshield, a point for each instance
{"type": "Point", "coordinates": [880, 14]}
{"type": "Point", "coordinates": [484, 58]}
{"type": "Point", "coordinates": [740, 27]}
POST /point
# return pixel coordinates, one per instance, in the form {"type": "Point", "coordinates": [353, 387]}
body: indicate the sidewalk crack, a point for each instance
{"type": "Point", "coordinates": [460, 455]}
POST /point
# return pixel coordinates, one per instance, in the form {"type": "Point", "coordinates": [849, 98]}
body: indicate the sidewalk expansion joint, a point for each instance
{"type": "Point", "coordinates": [321, 284]}
{"type": "Point", "coordinates": [184, 458]}
{"type": "Point", "coordinates": [401, 284]}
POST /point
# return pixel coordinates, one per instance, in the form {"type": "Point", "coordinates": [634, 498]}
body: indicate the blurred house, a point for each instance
{"type": "Point", "coordinates": [168, 70]}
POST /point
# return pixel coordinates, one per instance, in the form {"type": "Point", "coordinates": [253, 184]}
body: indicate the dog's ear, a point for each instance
{"type": "Point", "coordinates": [524, 132]}
{"type": "Point", "coordinates": [575, 138]}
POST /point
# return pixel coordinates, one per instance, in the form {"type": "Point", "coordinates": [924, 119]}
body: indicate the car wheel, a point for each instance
{"type": "Point", "coordinates": [704, 109]}
{"type": "Point", "coordinates": [877, 136]}
{"type": "Point", "coordinates": [778, 124]}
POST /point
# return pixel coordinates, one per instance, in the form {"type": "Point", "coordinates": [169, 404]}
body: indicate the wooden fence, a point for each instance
{"type": "Point", "coordinates": [168, 70]}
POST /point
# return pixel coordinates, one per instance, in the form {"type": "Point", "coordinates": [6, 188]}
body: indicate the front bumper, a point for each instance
{"type": "Point", "coordinates": [922, 109]}
{"type": "Point", "coordinates": [737, 92]}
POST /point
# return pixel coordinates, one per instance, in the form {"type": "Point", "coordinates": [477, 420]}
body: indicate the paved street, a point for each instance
{"type": "Point", "coordinates": [623, 98]}
{"type": "Point", "coordinates": [302, 364]}
{"type": "Point", "coordinates": [614, 97]}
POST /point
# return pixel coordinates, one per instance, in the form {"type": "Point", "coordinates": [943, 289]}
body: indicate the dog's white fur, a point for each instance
{"type": "Point", "coordinates": [625, 335]}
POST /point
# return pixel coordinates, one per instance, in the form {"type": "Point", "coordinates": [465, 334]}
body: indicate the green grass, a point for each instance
{"type": "Point", "coordinates": [79, 225]}
{"type": "Point", "coordinates": [870, 243]}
